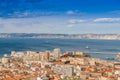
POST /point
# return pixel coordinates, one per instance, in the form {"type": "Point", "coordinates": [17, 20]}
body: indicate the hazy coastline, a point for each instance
{"type": "Point", "coordinates": [62, 36]}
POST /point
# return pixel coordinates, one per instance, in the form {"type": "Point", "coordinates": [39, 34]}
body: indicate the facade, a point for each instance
{"type": "Point", "coordinates": [56, 54]}
{"type": "Point", "coordinates": [78, 53]}
{"type": "Point", "coordinates": [64, 70]}
{"type": "Point", "coordinates": [5, 60]}
{"type": "Point", "coordinates": [31, 55]}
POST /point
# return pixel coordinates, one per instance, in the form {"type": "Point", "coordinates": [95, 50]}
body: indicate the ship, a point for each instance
{"type": "Point", "coordinates": [87, 47]}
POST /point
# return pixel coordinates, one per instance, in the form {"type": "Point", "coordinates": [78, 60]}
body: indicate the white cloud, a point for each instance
{"type": "Point", "coordinates": [33, 25]}
{"type": "Point", "coordinates": [70, 25]}
{"type": "Point", "coordinates": [70, 12]}
{"type": "Point", "coordinates": [50, 24]}
{"type": "Point", "coordinates": [73, 12]}
{"type": "Point", "coordinates": [29, 14]}
{"type": "Point", "coordinates": [75, 21]}
{"type": "Point", "coordinates": [107, 20]}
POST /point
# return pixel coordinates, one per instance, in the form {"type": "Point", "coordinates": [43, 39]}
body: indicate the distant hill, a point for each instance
{"type": "Point", "coordinates": [70, 36]}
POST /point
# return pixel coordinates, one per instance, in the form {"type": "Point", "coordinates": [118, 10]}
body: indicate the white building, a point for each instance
{"type": "Point", "coordinates": [56, 53]}
{"type": "Point", "coordinates": [64, 70]}
{"type": "Point", "coordinates": [5, 59]}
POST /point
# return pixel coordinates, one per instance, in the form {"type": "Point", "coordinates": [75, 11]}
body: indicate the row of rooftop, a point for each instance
{"type": "Point", "coordinates": [55, 65]}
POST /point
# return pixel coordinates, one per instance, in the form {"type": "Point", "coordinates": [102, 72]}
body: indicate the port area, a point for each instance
{"type": "Point", "coordinates": [101, 52]}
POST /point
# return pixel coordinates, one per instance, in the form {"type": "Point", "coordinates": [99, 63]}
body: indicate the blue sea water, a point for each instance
{"type": "Point", "coordinates": [36, 44]}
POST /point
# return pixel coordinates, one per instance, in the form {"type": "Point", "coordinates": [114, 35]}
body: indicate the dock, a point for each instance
{"type": "Point", "coordinates": [101, 52]}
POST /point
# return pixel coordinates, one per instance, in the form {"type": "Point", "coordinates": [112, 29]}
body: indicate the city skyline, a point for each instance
{"type": "Point", "coordinates": [63, 17]}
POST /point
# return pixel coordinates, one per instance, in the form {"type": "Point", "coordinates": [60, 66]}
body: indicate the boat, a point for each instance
{"type": "Point", "coordinates": [87, 47]}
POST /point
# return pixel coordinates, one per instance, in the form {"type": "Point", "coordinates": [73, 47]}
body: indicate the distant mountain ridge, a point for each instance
{"type": "Point", "coordinates": [69, 36]}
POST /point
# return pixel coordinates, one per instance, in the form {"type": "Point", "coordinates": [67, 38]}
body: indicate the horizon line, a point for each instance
{"type": "Point", "coordinates": [61, 33]}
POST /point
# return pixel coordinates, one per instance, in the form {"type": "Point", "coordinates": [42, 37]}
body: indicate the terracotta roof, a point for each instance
{"type": "Point", "coordinates": [9, 78]}
{"type": "Point", "coordinates": [20, 77]}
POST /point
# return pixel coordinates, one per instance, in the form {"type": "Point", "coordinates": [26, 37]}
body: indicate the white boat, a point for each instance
{"type": "Point", "coordinates": [87, 47]}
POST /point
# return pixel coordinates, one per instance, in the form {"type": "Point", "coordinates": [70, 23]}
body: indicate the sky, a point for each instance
{"type": "Point", "coordinates": [60, 16]}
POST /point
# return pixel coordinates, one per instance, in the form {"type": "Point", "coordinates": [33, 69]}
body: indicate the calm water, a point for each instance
{"type": "Point", "coordinates": [23, 44]}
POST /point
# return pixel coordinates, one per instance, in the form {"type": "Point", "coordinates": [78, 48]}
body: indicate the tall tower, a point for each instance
{"type": "Point", "coordinates": [56, 54]}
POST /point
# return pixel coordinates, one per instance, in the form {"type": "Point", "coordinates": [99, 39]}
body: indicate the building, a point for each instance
{"type": "Point", "coordinates": [64, 70]}
{"type": "Point", "coordinates": [5, 60]}
{"type": "Point", "coordinates": [47, 56]}
{"type": "Point", "coordinates": [78, 53]}
{"type": "Point", "coordinates": [56, 54]}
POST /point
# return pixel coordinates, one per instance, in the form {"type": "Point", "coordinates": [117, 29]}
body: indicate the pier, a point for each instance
{"type": "Point", "coordinates": [101, 52]}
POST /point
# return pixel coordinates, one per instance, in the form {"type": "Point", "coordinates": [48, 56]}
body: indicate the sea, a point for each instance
{"type": "Point", "coordinates": [97, 48]}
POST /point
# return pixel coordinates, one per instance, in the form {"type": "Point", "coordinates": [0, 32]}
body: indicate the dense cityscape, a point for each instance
{"type": "Point", "coordinates": [59, 39]}
{"type": "Point", "coordinates": [55, 65]}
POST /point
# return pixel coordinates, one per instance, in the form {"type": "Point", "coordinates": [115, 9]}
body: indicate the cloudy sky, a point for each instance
{"type": "Point", "coordinates": [60, 16]}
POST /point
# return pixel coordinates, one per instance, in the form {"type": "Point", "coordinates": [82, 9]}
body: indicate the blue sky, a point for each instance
{"type": "Point", "coordinates": [60, 16]}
